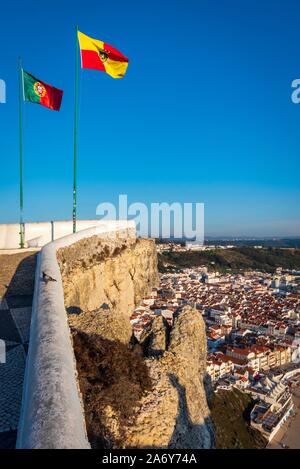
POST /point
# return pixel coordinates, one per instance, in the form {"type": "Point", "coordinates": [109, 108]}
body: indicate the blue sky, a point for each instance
{"type": "Point", "coordinates": [204, 113]}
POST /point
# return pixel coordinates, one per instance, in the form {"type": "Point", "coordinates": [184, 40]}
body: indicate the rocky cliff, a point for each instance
{"type": "Point", "coordinates": [117, 272]}
{"type": "Point", "coordinates": [136, 395]}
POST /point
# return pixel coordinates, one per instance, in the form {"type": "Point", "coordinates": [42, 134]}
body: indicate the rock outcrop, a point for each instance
{"type": "Point", "coordinates": [136, 395]}
{"type": "Point", "coordinates": [132, 401]}
{"type": "Point", "coordinates": [177, 408]}
{"type": "Point", "coordinates": [117, 272]}
{"type": "Point", "coordinates": [154, 340]}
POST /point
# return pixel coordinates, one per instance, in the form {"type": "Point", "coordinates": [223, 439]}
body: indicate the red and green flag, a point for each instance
{"type": "Point", "coordinates": [37, 91]}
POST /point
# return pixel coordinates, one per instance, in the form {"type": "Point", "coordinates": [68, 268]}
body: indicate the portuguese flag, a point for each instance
{"type": "Point", "coordinates": [37, 91]}
{"type": "Point", "coordinates": [101, 56]}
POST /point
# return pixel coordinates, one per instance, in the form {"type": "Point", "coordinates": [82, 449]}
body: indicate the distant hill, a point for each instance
{"type": "Point", "coordinates": [264, 259]}
{"type": "Point", "coordinates": [265, 242]}
{"type": "Point", "coordinates": [238, 242]}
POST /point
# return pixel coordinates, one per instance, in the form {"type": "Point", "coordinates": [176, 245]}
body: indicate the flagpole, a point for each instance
{"type": "Point", "coordinates": [21, 151]}
{"type": "Point", "coordinates": [75, 135]}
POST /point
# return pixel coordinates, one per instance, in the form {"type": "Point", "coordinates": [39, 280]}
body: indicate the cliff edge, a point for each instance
{"type": "Point", "coordinates": [136, 395]}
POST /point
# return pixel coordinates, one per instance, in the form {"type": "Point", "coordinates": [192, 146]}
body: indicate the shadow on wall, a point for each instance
{"type": "Point", "coordinates": [74, 310]}
{"type": "Point", "coordinates": [17, 276]}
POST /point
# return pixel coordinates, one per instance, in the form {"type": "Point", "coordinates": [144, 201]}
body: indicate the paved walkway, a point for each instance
{"type": "Point", "coordinates": [16, 291]}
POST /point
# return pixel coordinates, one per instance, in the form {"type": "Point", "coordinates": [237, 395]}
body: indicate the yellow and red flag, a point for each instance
{"type": "Point", "coordinates": [101, 56]}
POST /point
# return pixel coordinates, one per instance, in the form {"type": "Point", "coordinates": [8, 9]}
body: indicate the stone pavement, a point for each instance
{"type": "Point", "coordinates": [16, 291]}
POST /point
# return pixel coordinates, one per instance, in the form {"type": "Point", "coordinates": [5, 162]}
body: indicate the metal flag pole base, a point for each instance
{"type": "Point", "coordinates": [22, 235]}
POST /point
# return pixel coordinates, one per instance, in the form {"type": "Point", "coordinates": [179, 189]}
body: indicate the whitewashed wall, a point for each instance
{"type": "Point", "coordinates": [39, 234]}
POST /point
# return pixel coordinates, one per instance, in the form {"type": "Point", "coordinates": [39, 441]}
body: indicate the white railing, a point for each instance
{"type": "Point", "coordinates": [40, 233]}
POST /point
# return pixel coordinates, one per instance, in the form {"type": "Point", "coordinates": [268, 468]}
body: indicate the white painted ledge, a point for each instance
{"type": "Point", "coordinates": [52, 413]}
{"type": "Point", "coordinates": [41, 233]}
